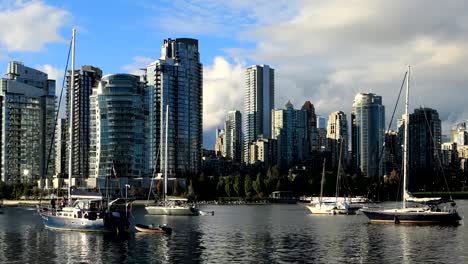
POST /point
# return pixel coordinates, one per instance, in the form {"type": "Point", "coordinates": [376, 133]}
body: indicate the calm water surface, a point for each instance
{"type": "Point", "coordinates": [239, 234]}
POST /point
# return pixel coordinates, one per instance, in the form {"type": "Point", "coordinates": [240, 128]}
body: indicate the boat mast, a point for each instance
{"type": "Point", "coordinates": [339, 170]}
{"type": "Point", "coordinates": [322, 182]}
{"type": "Point", "coordinates": [165, 153]}
{"type": "Point", "coordinates": [405, 145]}
{"type": "Point", "coordinates": [70, 118]}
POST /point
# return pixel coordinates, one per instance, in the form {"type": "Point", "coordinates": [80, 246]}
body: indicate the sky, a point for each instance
{"type": "Point", "coordinates": [325, 51]}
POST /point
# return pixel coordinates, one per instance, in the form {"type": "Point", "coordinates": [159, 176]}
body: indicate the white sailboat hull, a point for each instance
{"type": "Point", "coordinates": [171, 210]}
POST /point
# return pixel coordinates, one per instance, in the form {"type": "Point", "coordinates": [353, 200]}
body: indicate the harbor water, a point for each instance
{"type": "Point", "coordinates": [237, 234]}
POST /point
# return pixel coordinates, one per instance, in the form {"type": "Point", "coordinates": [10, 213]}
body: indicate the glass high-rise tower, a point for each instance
{"type": "Point", "coordinates": [118, 127]}
{"type": "Point", "coordinates": [176, 80]}
{"type": "Point", "coordinates": [84, 80]}
{"type": "Point", "coordinates": [368, 131]}
{"type": "Point", "coordinates": [233, 135]}
{"type": "Point", "coordinates": [258, 102]}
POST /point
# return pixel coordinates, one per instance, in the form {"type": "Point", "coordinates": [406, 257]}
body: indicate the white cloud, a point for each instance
{"type": "Point", "coordinates": [138, 63]}
{"type": "Point", "coordinates": [57, 75]}
{"type": "Point", "coordinates": [330, 50]}
{"type": "Point", "coordinates": [223, 89]}
{"type": "Point", "coordinates": [30, 25]}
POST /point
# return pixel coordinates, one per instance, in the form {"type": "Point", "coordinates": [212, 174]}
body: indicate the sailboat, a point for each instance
{"type": "Point", "coordinates": [86, 211]}
{"type": "Point", "coordinates": [431, 212]}
{"type": "Point", "coordinates": [170, 206]}
{"type": "Point", "coordinates": [326, 207]}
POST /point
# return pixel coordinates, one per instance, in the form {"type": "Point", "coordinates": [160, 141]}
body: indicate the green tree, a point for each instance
{"type": "Point", "coordinates": [227, 186]}
{"type": "Point", "coordinates": [220, 187]}
{"type": "Point", "coordinates": [258, 185]}
{"type": "Point", "coordinates": [238, 184]}
{"type": "Point", "coordinates": [248, 187]}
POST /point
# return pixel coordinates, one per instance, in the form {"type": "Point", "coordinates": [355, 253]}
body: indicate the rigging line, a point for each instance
{"type": "Point", "coordinates": [391, 121]}
{"type": "Point", "coordinates": [438, 154]}
{"type": "Point", "coordinates": [58, 109]}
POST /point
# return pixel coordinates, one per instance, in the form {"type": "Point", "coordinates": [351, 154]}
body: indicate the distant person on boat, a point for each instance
{"type": "Point", "coordinates": [62, 203]}
{"type": "Point", "coordinates": [52, 203]}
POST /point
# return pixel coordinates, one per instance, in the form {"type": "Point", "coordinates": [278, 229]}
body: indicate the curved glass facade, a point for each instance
{"type": "Point", "coordinates": [368, 131]}
{"type": "Point", "coordinates": [118, 130]}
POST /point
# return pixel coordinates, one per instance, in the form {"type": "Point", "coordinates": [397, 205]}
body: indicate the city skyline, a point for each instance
{"type": "Point", "coordinates": [373, 50]}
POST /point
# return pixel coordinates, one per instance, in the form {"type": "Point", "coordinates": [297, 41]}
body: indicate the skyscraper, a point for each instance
{"type": "Point", "coordinates": [368, 130]}
{"type": "Point", "coordinates": [176, 80]}
{"type": "Point", "coordinates": [233, 135]}
{"type": "Point", "coordinates": [84, 81]}
{"type": "Point", "coordinates": [258, 103]}
{"type": "Point", "coordinates": [61, 133]}
{"type": "Point", "coordinates": [425, 134]}
{"type": "Point", "coordinates": [118, 127]}
{"type": "Point", "coordinates": [27, 99]}
{"type": "Point", "coordinates": [311, 128]}
{"type": "Point", "coordinates": [337, 134]}
{"type": "Point", "coordinates": [289, 129]}
{"type": "Point", "coordinates": [322, 142]}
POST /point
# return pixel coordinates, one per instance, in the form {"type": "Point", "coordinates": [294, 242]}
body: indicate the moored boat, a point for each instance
{"type": "Point", "coordinates": [161, 229]}
{"type": "Point", "coordinates": [429, 210]}
{"type": "Point", "coordinates": [93, 214]}
{"type": "Point", "coordinates": [175, 205]}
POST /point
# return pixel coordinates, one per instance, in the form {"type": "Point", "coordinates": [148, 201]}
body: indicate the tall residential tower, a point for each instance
{"type": "Point", "coordinates": [176, 80]}
{"type": "Point", "coordinates": [84, 80]}
{"type": "Point", "coordinates": [27, 99]}
{"type": "Point", "coordinates": [368, 131]}
{"type": "Point", "coordinates": [233, 135]}
{"type": "Point", "coordinates": [258, 102]}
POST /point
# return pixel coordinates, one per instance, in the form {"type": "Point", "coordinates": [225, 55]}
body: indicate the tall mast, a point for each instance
{"type": "Point", "coordinates": [322, 182]}
{"type": "Point", "coordinates": [70, 119]}
{"type": "Point", "coordinates": [405, 145]}
{"type": "Point", "coordinates": [165, 153]}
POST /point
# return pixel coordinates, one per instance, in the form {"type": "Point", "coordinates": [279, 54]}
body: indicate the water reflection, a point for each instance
{"type": "Point", "coordinates": [265, 234]}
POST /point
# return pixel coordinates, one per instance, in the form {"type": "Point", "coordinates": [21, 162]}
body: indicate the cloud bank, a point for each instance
{"type": "Point", "coordinates": [30, 25]}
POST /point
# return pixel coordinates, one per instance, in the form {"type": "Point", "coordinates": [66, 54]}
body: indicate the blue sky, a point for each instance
{"type": "Point", "coordinates": [325, 51]}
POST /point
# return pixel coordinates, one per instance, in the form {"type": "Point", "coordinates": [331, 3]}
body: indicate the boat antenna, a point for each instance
{"type": "Point", "coordinates": [405, 144]}
{"type": "Point", "coordinates": [70, 122]}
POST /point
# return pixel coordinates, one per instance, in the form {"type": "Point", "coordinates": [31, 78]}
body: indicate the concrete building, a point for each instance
{"type": "Point", "coordinates": [263, 151]}
{"type": "Point", "coordinates": [392, 154]}
{"type": "Point", "coordinates": [367, 133]}
{"type": "Point", "coordinates": [459, 134]}
{"type": "Point", "coordinates": [233, 135]}
{"type": "Point", "coordinates": [84, 81]}
{"type": "Point", "coordinates": [312, 138]}
{"type": "Point", "coordinates": [425, 134]}
{"type": "Point", "coordinates": [322, 134]}
{"type": "Point", "coordinates": [27, 99]}
{"type": "Point", "coordinates": [176, 80]}
{"type": "Point", "coordinates": [449, 154]}
{"type": "Point", "coordinates": [220, 143]}
{"type": "Point", "coordinates": [258, 102]}
{"type": "Point", "coordinates": [118, 128]}
{"type": "Point", "coordinates": [337, 135]}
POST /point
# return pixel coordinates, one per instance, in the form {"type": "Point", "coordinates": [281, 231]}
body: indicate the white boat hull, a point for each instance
{"type": "Point", "coordinates": [171, 210]}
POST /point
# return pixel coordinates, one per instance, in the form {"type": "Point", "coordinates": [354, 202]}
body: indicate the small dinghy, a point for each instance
{"type": "Point", "coordinates": [161, 229]}
{"type": "Point", "coordinates": [206, 212]}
